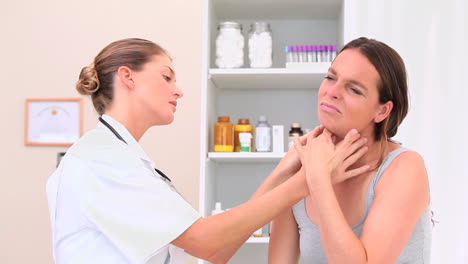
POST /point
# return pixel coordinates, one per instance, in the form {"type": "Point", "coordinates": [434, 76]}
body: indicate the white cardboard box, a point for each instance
{"type": "Point", "coordinates": [278, 138]}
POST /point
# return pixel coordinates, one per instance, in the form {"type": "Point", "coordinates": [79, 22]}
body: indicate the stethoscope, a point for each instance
{"type": "Point", "coordinates": [123, 140]}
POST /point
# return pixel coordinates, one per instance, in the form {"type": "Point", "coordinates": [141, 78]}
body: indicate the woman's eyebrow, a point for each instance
{"type": "Point", "coordinates": [357, 83]}
{"type": "Point", "coordinates": [172, 71]}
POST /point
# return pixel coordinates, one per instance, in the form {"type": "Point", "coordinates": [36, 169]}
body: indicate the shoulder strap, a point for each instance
{"type": "Point", "coordinates": [388, 159]}
{"type": "Point", "coordinates": [371, 189]}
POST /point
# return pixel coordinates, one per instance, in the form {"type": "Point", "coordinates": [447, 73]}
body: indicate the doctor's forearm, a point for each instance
{"type": "Point", "coordinates": [219, 236]}
{"type": "Point", "coordinates": [278, 176]}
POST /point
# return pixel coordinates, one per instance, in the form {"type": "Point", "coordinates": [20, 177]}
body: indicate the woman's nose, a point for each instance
{"type": "Point", "coordinates": [178, 91]}
{"type": "Point", "coordinates": [334, 90]}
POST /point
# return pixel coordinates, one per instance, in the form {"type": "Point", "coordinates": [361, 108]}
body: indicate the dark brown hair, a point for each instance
{"type": "Point", "coordinates": [392, 85]}
{"type": "Point", "coordinates": [97, 78]}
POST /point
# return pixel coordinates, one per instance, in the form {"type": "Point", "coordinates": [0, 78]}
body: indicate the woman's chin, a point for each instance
{"type": "Point", "coordinates": [166, 120]}
{"type": "Point", "coordinates": [336, 131]}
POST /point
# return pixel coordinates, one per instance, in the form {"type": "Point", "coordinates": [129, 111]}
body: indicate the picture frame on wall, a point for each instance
{"type": "Point", "coordinates": [53, 121]}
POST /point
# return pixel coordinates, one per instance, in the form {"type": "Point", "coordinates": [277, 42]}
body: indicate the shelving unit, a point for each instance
{"type": "Point", "coordinates": [245, 156]}
{"type": "Point", "coordinates": [284, 95]}
{"type": "Point", "coordinates": [258, 240]}
{"type": "Point", "coordinates": [270, 78]}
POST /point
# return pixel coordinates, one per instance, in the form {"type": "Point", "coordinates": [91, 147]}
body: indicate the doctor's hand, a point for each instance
{"type": "Point", "coordinates": [325, 162]}
{"type": "Point", "coordinates": [291, 163]}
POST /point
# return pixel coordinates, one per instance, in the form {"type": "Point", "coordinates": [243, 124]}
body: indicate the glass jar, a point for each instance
{"type": "Point", "coordinates": [229, 45]}
{"type": "Point", "coordinates": [260, 45]}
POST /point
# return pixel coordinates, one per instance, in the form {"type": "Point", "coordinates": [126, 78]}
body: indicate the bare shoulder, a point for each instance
{"type": "Point", "coordinates": [407, 170]}
{"type": "Point", "coordinates": [407, 160]}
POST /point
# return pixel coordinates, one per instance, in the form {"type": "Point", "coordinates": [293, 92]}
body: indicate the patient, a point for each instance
{"type": "Point", "coordinates": [369, 197]}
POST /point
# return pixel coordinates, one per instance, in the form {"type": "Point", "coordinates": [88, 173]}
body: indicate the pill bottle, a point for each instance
{"type": "Point", "coordinates": [296, 129]}
{"type": "Point", "coordinates": [223, 135]}
{"type": "Point", "coordinates": [243, 136]}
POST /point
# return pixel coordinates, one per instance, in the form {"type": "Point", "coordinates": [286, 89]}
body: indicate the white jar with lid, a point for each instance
{"type": "Point", "coordinates": [229, 45]}
{"type": "Point", "coordinates": [260, 45]}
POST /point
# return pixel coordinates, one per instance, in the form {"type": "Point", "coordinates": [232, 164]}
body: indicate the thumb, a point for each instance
{"type": "Point", "coordinates": [298, 145]}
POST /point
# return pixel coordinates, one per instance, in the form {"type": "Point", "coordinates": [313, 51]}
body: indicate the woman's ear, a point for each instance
{"type": "Point", "coordinates": [124, 74]}
{"type": "Point", "coordinates": [385, 110]}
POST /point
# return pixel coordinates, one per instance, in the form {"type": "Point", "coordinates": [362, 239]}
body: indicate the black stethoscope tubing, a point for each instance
{"type": "Point", "coordinates": [120, 138]}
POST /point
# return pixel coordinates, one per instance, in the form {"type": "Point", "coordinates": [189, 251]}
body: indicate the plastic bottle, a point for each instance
{"type": "Point", "coordinates": [243, 136]}
{"type": "Point", "coordinates": [295, 130]}
{"type": "Point", "coordinates": [263, 135]}
{"type": "Point", "coordinates": [223, 135]}
{"type": "Point", "coordinates": [217, 209]}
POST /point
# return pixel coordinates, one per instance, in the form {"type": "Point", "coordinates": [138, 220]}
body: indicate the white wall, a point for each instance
{"type": "Point", "coordinates": [432, 37]}
{"type": "Point", "coordinates": [44, 44]}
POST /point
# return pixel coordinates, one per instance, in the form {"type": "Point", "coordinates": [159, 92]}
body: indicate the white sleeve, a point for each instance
{"type": "Point", "coordinates": [138, 212]}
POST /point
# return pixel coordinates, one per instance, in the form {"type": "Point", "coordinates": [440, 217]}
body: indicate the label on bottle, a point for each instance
{"type": "Point", "coordinates": [263, 139]}
{"type": "Point", "coordinates": [223, 148]}
{"type": "Point", "coordinates": [245, 140]}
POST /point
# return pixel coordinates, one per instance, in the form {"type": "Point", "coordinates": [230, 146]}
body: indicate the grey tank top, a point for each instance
{"type": "Point", "coordinates": [417, 249]}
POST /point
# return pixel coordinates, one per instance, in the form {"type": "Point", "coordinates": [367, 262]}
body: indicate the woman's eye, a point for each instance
{"type": "Point", "coordinates": [356, 91]}
{"type": "Point", "coordinates": [328, 77]}
{"type": "Point", "coordinates": [167, 78]}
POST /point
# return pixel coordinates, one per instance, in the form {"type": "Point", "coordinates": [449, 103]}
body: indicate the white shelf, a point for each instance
{"type": "Point", "coordinates": [278, 9]}
{"type": "Point", "coordinates": [258, 240]}
{"type": "Point", "coordinates": [245, 156]}
{"type": "Point", "coordinates": [270, 78]}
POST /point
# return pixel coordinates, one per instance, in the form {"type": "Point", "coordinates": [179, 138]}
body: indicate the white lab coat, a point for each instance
{"type": "Point", "coordinates": [109, 206]}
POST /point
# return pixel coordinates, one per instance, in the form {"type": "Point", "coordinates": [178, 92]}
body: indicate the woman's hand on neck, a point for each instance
{"type": "Point", "coordinates": [372, 157]}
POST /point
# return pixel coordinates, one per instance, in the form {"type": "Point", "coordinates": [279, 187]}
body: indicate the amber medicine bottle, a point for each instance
{"type": "Point", "coordinates": [223, 135]}
{"type": "Point", "coordinates": [243, 136]}
{"type": "Point", "coordinates": [296, 130]}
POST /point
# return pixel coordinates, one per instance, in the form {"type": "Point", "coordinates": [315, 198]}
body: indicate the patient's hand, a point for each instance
{"type": "Point", "coordinates": [325, 161]}
{"type": "Point", "coordinates": [291, 163]}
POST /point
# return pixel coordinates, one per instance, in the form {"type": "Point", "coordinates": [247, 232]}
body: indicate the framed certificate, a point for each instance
{"type": "Point", "coordinates": [53, 122]}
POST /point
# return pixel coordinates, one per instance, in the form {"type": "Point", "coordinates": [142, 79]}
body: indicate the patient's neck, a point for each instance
{"type": "Point", "coordinates": [374, 154]}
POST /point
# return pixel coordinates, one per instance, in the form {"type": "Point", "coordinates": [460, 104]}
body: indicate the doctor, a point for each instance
{"type": "Point", "coordinates": [108, 205]}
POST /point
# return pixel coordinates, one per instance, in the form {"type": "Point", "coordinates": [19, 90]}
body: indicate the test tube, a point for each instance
{"type": "Point", "coordinates": [309, 53]}
{"type": "Point", "coordinates": [319, 53]}
{"type": "Point", "coordinates": [294, 53]}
